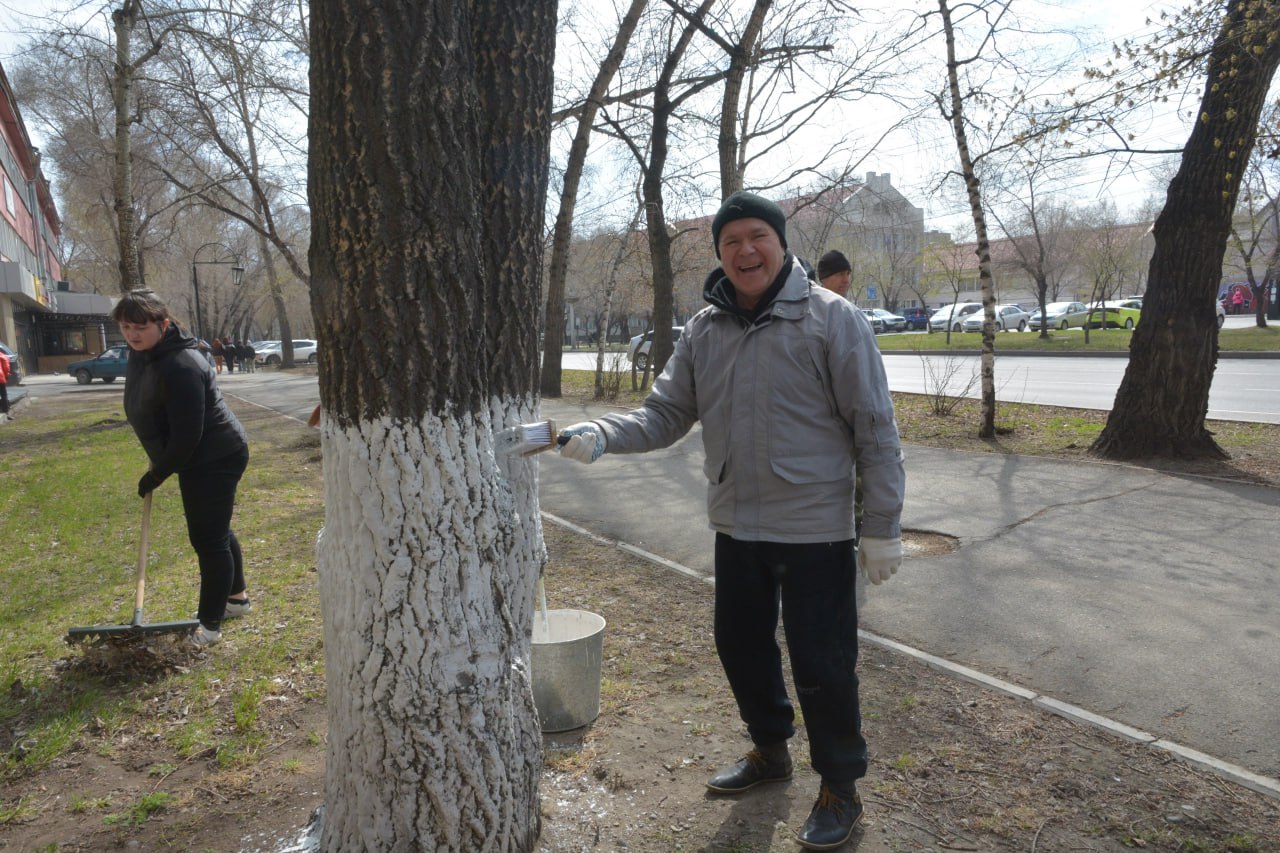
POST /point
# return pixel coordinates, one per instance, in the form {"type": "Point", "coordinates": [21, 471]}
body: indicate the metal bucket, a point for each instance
{"type": "Point", "coordinates": [567, 648]}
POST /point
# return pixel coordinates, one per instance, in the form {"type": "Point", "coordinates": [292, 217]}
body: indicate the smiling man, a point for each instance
{"type": "Point", "coordinates": [791, 392]}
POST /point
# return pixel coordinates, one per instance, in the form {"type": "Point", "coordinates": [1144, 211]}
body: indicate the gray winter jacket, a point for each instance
{"type": "Point", "coordinates": [790, 406]}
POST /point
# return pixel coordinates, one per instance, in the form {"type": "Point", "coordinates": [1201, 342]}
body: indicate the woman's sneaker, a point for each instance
{"type": "Point", "coordinates": [236, 609]}
{"type": "Point", "coordinates": [203, 638]}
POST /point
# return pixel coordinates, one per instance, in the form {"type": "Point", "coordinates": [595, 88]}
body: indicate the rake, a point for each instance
{"type": "Point", "coordinates": [137, 627]}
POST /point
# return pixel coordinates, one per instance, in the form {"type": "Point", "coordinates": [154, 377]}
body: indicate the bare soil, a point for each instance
{"type": "Point", "coordinates": [954, 767]}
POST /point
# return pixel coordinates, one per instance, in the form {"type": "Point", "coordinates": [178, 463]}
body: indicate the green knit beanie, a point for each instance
{"type": "Point", "coordinates": [745, 205]}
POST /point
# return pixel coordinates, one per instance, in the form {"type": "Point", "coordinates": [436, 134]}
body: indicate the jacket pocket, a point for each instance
{"type": "Point", "coordinates": [812, 469]}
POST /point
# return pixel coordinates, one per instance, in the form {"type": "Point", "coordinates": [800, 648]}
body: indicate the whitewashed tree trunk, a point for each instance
{"type": "Point", "coordinates": [429, 138]}
{"type": "Point", "coordinates": [427, 565]}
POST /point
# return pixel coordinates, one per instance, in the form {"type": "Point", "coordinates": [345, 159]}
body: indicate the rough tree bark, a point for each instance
{"type": "Point", "coordinates": [1162, 401]}
{"type": "Point", "coordinates": [562, 236]}
{"type": "Point", "coordinates": [428, 162]}
{"type": "Point", "coordinates": [124, 21]}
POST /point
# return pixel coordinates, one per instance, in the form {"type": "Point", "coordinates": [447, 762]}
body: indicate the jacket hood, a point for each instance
{"type": "Point", "coordinates": [718, 289]}
{"type": "Point", "coordinates": [175, 338]}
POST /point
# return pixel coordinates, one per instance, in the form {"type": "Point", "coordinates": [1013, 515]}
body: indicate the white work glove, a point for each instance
{"type": "Point", "coordinates": [879, 558]}
{"type": "Point", "coordinates": [582, 442]}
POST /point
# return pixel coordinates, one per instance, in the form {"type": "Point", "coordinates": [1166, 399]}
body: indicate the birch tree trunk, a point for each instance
{"type": "Point", "coordinates": [987, 429]}
{"type": "Point", "coordinates": [427, 177]}
{"type": "Point", "coordinates": [1162, 401]}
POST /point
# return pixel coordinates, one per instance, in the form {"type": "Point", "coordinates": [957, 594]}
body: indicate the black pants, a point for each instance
{"type": "Point", "coordinates": [4, 395]}
{"type": "Point", "coordinates": [815, 586]}
{"type": "Point", "coordinates": [208, 497]}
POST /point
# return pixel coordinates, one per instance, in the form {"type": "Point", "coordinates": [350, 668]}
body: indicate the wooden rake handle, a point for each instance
{"type": "Point", "coordinates": [141, 590]}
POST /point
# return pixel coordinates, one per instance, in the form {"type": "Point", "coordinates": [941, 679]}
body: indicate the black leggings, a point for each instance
{"type": "Point", "coordinates": [208, 496]}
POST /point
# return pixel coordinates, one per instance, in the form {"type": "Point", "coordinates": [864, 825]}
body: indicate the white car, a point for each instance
{"type": "Point", "coordinates": [638, 349]}
{"type": "Point", "coordinates": [1008, 318]}
{"type": "Point", "coordinates": [892, 322]}
{"type": "Point", "coordinates": [952, 316]}
{"type": "Point", "coordinates": [303, 350]}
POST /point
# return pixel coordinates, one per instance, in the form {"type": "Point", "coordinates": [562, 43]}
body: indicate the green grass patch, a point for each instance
{"type": "Point", "coordinates": [1251, 339]}
{"type": "Point", "coordinates": [140, 811]}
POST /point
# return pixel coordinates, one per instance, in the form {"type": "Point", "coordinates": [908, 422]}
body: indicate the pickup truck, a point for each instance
{"type": "Point", "coordinates": [105, 366]}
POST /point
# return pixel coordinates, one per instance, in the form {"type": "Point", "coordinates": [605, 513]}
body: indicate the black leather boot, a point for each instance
{"type": "Point", "coordinates": [770, 763]}
{"type": "Point", "coordinates": [834, 815]}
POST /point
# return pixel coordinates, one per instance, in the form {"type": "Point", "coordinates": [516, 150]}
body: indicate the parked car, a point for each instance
{"type": "Point", "coordinates": [952, 316]}
{"type": "Point", "coordinates": [15, 368]}
{"type": "Point", "coordinates": [877, 323]}
{"type": "Point", "coordinates": [1222, 315]}
{"type": "Point", "coordinates": [638, 349]}
{"type": "Point", "coordinates": [1060, 315]}
{"type": "Point", "coordinates": [270, 353]}
{"type": "Point", "coordinates": [917, 317]}
{"type": "Point", "coordinates": [107, 365]}
{"type": "Point", "coordinates": [892, 322]}
{"type": "Point", "coordinates": [1008, 318]}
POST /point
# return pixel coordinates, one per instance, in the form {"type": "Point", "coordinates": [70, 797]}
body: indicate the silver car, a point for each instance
{"type": "Point", "coordinates": [1008, 318]}
{"type": "Point", "coordinates": [1061, 315]}
{"type": "Point", "coordinates": [952, 316]}
{"type": "Point", "coordinates": [638, 349]}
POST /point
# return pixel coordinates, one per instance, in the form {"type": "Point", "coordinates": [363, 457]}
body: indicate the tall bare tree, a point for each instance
{"type": "Point", "coordinates": [667, 94]}
{"type": "Point", "coordinates": [422, 300]}
{"type": "Point", "coordinates": [80, 84]}
{"type": "Point", "coordinates": [234, 123]}
{"type": "Point", "coordinates": [562, 236]}
{"type": "Point", "coordinates": [952, 106]}
{"type": "Point", "coordinates": [1178, 336]}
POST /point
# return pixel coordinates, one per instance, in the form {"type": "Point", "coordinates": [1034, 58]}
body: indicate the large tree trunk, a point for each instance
{"type": "Point", "coordinates": [428, 160]}
{"type": "Point", "coordinates": [1162, 401]}
{"type": "Point", "coordinates": [562, 236]}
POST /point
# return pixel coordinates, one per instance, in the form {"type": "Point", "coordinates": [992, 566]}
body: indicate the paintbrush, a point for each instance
{"type": "Point", "coordinates": [526, 439]}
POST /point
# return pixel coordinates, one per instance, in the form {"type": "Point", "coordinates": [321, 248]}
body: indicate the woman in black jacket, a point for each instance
{"type": "Point", "coordinates": [173, 403]}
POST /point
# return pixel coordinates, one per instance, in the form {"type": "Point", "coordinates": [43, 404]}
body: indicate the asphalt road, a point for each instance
{"type": "Point", "coordinates": [1242, 390]}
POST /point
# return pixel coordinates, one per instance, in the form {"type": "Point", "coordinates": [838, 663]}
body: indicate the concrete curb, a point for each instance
{"type": "Point", "coordinates": [1231, 772]}
{"type": "Point", "coordinates": [1075, 354]}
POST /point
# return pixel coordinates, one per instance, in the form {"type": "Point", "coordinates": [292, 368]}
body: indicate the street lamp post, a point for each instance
{"type": "Point", "coordinates": [237, 275]}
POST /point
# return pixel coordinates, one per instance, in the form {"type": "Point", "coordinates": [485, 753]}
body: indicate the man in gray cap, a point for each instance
{"type": "Point", "coordinates": [791, 392]}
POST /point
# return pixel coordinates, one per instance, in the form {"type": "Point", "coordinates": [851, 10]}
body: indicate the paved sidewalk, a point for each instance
{"type": "Point", "coordinates": [1134, 595]}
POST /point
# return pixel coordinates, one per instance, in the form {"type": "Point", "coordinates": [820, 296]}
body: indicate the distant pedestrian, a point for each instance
{"type": "Point", "coordinates": [250, 365]}
{"type": "Point", "coordinates": [834, 271]}
{"type": "Point", "coordinates": [218, 355]}
{"type": "Point", "coordinates": [1237, 301]}
{"type": "Point", "coordinates": [172, 401]}
{"type": "Point", "coordinates": [4, 385]}
{"type": "Point", "coordinates": [229, 353]}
